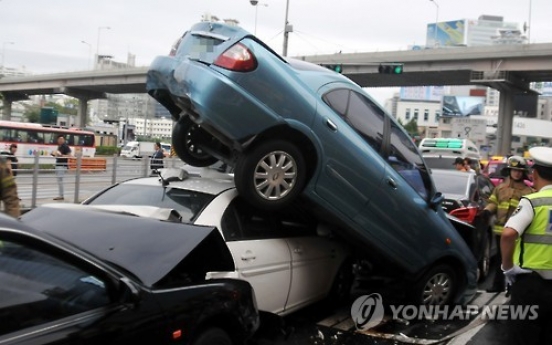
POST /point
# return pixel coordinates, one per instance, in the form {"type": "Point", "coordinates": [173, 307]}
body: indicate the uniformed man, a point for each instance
{"type": "Point", "coordinates": [8, 189]}
{"type": "Point", "coordinates": [527, 263]}
{"type": "Point", "coordinates": [502, 202]}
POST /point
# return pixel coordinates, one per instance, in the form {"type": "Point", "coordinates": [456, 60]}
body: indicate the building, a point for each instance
{"type": "Point", "coordinates": [430, 105]}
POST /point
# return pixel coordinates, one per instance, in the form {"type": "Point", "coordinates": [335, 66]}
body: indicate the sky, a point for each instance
{"type": "Point", "coordinates": [48, 35]}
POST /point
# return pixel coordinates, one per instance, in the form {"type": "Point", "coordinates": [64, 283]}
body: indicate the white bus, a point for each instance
{"type": "Point", "coordinates": [440, 153]}
{"type": "Point", "coordinates": [33, 138]}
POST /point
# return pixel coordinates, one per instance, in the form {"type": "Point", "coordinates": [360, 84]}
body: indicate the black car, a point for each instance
{"type": "Point", "coordinates": [466, 195]}
{"type": "Point", "coordinates": [83, 276]}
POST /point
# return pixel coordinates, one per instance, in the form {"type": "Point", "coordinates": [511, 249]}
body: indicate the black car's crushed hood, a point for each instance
{"type": "Point", "coordinates": [148, 248]}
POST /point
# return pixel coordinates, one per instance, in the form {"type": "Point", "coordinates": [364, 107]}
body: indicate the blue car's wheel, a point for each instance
{"type": "Point", "coordinates": [186, 139]}
{"type": "Point", "coordinates": [271, 175]}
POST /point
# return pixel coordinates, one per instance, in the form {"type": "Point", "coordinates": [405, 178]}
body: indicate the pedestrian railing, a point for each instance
{"type": "Point", "coordinates": [38, 183]}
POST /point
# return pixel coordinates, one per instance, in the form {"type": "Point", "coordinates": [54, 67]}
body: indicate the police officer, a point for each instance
{"type": "Point", "coordinates": [527, 263]}
{"type": "Point", "coordinates": [502, 202]}
{"type": "Point", "coordinates": [8, 189]}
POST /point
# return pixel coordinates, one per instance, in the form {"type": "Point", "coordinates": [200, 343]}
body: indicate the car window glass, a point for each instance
{"type": "Point", "coordinates": [367, 119]}
{"type": "Point", "coordinates": [406, 160]}
{"type": "Point", "coordinates": [187, 203]}
{"type": "Point", "coordinates": [38, 288]}
{"type": "Point", "coordinates": [254, 224]}
{"type": "Point", "coordinates": [338, 100]}
{"type": "Point", "coordinates": [448, 184]}
{"type": "Point", "coordinates": [485, 187]}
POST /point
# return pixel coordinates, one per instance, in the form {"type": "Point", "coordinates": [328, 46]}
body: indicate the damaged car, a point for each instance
{"type": "Point", "coordinates": [294, 130]}
{"type": "Point", "coordinates": [81, 275]}
{"type": "Point", "coordinates": [287, 255]}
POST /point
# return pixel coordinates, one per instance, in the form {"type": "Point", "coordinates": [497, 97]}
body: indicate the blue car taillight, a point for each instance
{"type": "Point", "coordinates": [237, 58]}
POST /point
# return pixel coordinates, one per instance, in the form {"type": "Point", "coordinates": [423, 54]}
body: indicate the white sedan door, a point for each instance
{"type": "Point", "coordinates": [261, 254]}
{"type": "Point", "coordinates": [315, 262]}
{"type": "Point", "coordinates": [266, 265]}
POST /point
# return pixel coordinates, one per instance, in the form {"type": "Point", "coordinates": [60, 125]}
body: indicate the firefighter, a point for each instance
{"type": "Point", "coordinates": [503, 202]}
{"type": "Point", "coordinates": [8, 189]}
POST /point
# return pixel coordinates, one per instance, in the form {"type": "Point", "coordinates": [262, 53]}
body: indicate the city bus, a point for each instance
{"type": "Point", "coordinates": [33, 138]}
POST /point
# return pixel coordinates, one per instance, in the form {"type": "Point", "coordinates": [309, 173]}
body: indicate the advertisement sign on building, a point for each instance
{"type": "Point", "coordinates": [469, 128]}
{"type": "Point", "coordinates": [422, 93]}
{"type": "Point", "coordinates": [462, 105]}
{"type": "Point", "coordinates": [450, 33]}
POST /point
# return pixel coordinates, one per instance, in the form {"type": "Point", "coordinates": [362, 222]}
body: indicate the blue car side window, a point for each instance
{"type": "Point", "coordinates": [360, 113]}
{"type": "Point", "coordinates": [406, 160]}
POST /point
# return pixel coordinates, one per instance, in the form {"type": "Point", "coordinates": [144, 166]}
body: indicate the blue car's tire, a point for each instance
{"type": "Point", "coordinates": [186, 138]}
{"type": "Point", "coordinates": [271, 175]}
{"type": "Point", "coordinates": [437, 286]}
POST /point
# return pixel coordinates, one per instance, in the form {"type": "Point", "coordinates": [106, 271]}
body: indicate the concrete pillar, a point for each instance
{"type": "Point", "coordinates": [505, 121]}
{"type": "Point", "coordinates": [7, 109]}
{"type": "Point", "coordinates": [82, 112]}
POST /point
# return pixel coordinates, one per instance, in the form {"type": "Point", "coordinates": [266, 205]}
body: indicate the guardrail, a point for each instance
{"type": "Point", "coordinates": [37, 182]}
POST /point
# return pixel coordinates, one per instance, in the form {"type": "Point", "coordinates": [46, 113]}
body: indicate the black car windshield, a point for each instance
{"type": "Point", "coordinates": [187, 203]}
{"type": "Point", "coordinates": [448, 184]}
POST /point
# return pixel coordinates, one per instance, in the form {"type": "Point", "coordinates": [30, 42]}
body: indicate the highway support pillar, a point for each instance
{"type": "Point", "coordinates": [505, 121]}
{"type": "Point", "coordinates": [7, 109]}
{"type": "Point", "coordinates": [82, 112]}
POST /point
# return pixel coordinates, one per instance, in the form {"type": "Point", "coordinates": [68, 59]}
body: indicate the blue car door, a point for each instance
{"type": "Point", "coordinates": [351, 168]}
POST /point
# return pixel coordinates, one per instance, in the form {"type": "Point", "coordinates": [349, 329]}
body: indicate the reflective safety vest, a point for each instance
{"type": "Point", "coordinates": [535, 247]}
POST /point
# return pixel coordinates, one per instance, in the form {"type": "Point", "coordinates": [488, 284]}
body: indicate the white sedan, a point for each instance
{"type": "Point", "coordinates": [289, 258]}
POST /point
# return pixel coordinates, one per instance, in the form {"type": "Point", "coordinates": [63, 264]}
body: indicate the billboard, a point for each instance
{"type": "Point", "coordinates": [422, 93]}
{"type": "Point", "coordinates": [463, 105]}
{"type": "Point", "coordinates": [443, 34]}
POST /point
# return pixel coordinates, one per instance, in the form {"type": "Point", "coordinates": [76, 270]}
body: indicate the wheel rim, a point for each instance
{"type": "Point", "coordinates": [192, 136]}
{"type": "Point", "coordinates": [437, 289]}
{"type": "Point", "coordinates": [275, 175]}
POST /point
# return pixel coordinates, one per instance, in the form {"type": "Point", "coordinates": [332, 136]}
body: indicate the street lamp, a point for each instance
{"type": "Point", "coordinates": [89, 52]}
{"type": "Point", "coordinates": [256, 4]}
{"type": "Point", "coordinates": [529, 25]}
{"type": "Point", "coordinates": [287, 29]}
{"type": "Point", "coordinates": [4, 44]}
{"type": "Point", "coordinates": [436, 23]}
{"type": "Point", "coordinates": [98, 43]}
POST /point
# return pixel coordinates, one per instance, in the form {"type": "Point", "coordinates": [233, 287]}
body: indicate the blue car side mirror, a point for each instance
{"type": "Point", "coordinates": [436, 200]}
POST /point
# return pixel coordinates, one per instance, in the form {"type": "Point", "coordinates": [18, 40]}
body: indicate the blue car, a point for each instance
{"type": "Point", "coordinates": [289, 128]}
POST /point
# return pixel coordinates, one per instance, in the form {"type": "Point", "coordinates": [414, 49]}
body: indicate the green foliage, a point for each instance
{"type": "Point", "coordinates": [106, 150]}
{"type": "Point", "coordinates": [32, 113]}
{"type": "Point", "coordinates": [412, 128]}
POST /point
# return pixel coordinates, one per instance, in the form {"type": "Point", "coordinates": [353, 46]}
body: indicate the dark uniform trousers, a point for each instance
{"type": "Point", "coordinates": [532, 290]}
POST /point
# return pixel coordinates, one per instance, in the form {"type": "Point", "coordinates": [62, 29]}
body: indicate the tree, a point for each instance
{"type": "Point", "coordinates": [412, 128]}
{"type": "Point", "coordinates": [32, 113]}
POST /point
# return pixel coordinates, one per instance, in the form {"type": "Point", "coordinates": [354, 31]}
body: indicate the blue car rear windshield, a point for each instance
{"type": "Point", "coordinates": [187, 203]}
{"type": "Point", "coordinates": [199, 47]}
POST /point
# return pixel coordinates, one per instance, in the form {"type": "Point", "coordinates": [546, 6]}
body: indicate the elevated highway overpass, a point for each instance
{"type": "Point", "coordinates": [507, 68]}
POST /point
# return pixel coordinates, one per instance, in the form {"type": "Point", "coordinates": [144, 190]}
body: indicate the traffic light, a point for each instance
{"type": "Point", "coordinates": [393, 68]}
{"type": "Point", "coordinates": [336, 68]}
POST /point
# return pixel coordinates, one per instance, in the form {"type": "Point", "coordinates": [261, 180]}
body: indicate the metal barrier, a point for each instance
{"type": "Point", "coordinates": [37, 183]}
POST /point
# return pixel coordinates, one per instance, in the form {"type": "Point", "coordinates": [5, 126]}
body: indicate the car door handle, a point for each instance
{"type": "Point", "coordinates": [298, 250]}
{"type": "Point", "coordinates": [331, 125]}
{"type": "Point", "coordinates": [392, 183]}
{"type": "Point", "coordinates": [248, 256]}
